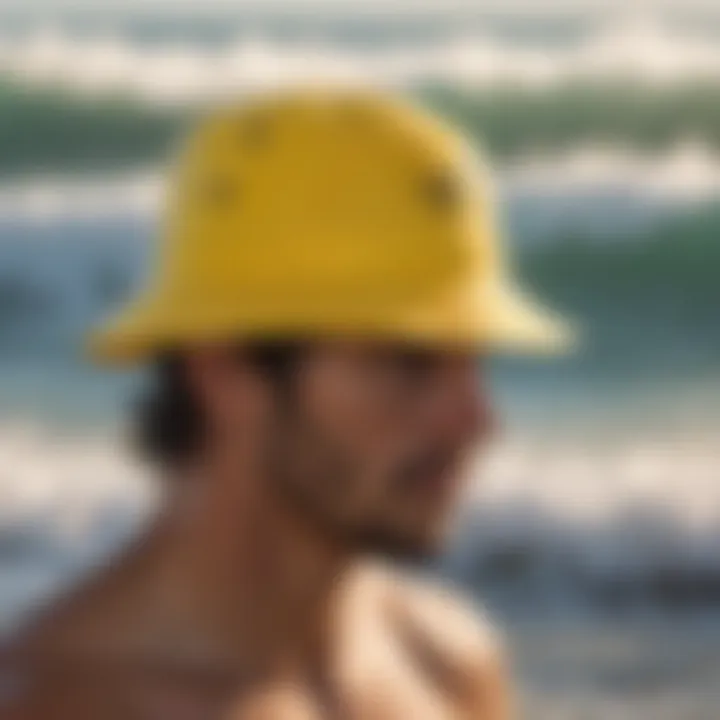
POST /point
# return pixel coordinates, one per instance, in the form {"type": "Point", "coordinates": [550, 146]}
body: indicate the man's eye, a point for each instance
{"type": "Point", "coordinates": [414, 364]}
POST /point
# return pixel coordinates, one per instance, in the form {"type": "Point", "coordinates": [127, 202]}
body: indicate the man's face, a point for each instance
{"type": "Point", "coordinates": [371, 441]}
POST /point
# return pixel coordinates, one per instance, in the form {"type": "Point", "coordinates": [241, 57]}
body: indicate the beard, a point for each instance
{"type": "Point", "coordinates": [323, 485]}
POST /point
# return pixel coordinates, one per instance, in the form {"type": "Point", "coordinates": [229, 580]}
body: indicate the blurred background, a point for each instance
{"type": "Point", "coordinates": [593, 531]}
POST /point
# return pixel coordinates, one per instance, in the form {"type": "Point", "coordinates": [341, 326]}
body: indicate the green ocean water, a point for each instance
{"type": "Point", "coordinates": [55, 129]}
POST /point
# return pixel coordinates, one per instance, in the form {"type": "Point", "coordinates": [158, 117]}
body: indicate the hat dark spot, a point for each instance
{"type": "Point", "coordinates": [442, 190]}
{"type": "Point", "coordinates": [220, 192]}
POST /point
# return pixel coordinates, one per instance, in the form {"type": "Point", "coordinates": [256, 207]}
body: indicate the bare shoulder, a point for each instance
{"type": "Point", "coordinates": [44, 665]}
{"type": "Point", "coordinates": [447, 621]}
{"type": "Point", "coordinates": [454, 642]}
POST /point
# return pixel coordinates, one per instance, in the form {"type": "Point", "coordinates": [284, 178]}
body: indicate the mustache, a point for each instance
{"type": "Point", "coordinates": [428, 466]}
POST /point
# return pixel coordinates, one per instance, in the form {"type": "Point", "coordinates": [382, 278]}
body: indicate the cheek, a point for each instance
{"type": "Point", "coordinates": [233, 416]}
{"type": "Point", "coordinates": [363, 422]}
{"type": "Point", "coordinates": [349, 469]}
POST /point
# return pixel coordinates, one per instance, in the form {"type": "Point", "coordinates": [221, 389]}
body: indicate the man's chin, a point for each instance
{"type": "Point", "coordinates": [401, 547]}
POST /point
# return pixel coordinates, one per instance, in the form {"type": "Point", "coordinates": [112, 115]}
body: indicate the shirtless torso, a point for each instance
{"type": "Point", "coordinates": [400, 649]}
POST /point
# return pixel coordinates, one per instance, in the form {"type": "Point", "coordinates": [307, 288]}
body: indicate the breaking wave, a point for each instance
{"type": "Point", "coordinates": [55, 128]}
{"type": "Point", "coordinates": [643, 48]}
{"type": "Point", "coordinates": [73, 100]}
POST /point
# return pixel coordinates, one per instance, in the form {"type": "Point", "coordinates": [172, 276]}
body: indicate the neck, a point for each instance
{"type": "Point", "coordinates": [238, 568]}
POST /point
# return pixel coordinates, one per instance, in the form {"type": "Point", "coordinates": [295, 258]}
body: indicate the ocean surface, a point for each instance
{"type": "Point", "coordinates": [592, 531]}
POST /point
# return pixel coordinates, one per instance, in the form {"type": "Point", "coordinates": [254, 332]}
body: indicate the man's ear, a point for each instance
{"type": "Point", "coordinates": [234, 396]}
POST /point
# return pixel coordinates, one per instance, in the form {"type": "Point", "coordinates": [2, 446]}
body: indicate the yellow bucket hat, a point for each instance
{"type": "Point", "coordinates": [328, 213]}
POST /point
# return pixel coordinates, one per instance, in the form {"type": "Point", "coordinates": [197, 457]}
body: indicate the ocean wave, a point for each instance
{"type": "Point", "coordinates": [544, 524]}
{"type": "Point", "coordinates": [81, 101]}
{"type": "Point", "coordinates": [46, 129]}
{"type": "Point", "coordinates": [639, 47]}
{"type": "Point", "coordinates": [89, 196]}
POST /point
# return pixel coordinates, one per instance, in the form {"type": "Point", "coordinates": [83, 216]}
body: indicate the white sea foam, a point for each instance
{"type": "Point", "coordinates": [689, 171]}
{"type": "Point", "coordinates": [181, 72]}
{"type": "Point", "coordinates": [50, 198]}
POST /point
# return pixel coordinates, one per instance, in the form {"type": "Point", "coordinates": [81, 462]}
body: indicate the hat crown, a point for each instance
{"type": "Point", "coordinates": [332, 190]}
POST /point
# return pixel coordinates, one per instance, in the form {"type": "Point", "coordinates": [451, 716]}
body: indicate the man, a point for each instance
{"type": "Point", "coordinates": [327, 281]}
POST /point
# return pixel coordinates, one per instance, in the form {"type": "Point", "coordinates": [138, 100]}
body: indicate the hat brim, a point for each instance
{"type": "Point", "coordinates": [498, 319]}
